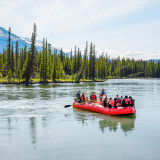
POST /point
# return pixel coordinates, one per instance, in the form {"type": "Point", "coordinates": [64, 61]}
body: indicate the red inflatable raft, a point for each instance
{"type": "Point", "coordinates": [96, 107]}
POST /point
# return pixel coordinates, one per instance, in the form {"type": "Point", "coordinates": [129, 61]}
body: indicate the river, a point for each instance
{"type": "Point", "coordinates": [34, 125]}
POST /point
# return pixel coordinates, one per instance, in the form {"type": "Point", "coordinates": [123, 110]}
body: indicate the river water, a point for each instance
{"type": "Point", "coordinates": [34, 125]}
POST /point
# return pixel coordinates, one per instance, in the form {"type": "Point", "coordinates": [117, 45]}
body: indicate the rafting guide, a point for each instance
{"type": "Point", "coordinates": [101, 94]}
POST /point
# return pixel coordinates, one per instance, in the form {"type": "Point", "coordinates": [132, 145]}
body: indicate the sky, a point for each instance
{"type": "Point", "coordinates": [125, 28]}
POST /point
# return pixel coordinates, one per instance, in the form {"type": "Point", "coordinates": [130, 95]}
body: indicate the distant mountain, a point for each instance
{"type": "Point", "coordinates": [155, 60]}
{"type": "Point", "coordinates": [21, 41]}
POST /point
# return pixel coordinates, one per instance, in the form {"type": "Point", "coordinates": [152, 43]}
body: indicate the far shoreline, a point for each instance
{"type": "Point", "coordinates": [49, 82]}
{"type": "Point", "coordinates": [66, 81]}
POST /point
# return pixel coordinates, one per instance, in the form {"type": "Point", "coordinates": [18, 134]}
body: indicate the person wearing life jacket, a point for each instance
{"type": "Point", "coordinates": [102, 93]}
{"type": "Point", "coordinates": [83, 98]}
{"type": "Point", "coordinates": [78, 96]}
{"type": "Point", "coordinates": [118, 100]}
{"type": "Point", "coordinates": [131, 102]}
{"type": "Point", "coordinates": [87, 100]}
{"type": "Point", "coordinates": [93, 97]}
{"type": "Point", "coordinates": [105, 102]}
{"type": "Point", "coordinates": [125, 102]}
{"type": "Point", "coordinates": [110, 103]}
{"type": "Point", "coordinates": [116, 104]}
{"type": "Point", "coordinates": [121, 99]}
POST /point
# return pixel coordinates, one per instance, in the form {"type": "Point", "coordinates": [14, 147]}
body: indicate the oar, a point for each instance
{"type": "Point", "coordinates": [66, 106]}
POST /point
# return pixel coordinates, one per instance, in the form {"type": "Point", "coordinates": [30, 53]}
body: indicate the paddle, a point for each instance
{"type": "Point", "coordinates": [66, 106]}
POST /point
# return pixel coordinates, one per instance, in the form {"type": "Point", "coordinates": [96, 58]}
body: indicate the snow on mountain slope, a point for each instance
{"type": "Point", "coordinates": [21, 41]}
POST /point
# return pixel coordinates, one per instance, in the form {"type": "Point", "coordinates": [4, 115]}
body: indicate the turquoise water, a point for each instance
{"type": "Point", "coordinates": [34, 125]}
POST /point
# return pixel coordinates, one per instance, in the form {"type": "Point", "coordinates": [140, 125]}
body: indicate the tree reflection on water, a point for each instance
{"type": "Point", "coordinates": [107, 123]}
{"type": "Point", "coordinates": [112, 123]}
{"type": "Point", "coordinates": [33, 129]}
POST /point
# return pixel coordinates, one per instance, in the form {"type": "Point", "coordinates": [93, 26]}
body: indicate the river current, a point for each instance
{"type": "Point", "coordinates": [34, 125]}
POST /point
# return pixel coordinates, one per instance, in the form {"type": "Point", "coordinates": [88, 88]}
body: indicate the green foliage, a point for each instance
{"type": "Point", "coordinates": [8, 62]}
{"type": "Point", "coordinates": [9, 76]}
{"type": "Point", "coordinates": [26, 68]}
{"type": "Point", "coordinates": [1, 64]}
{"type": "Point", "coordinates": [27, 64]}
{"type": "Point", "coordinates": [44, 62]}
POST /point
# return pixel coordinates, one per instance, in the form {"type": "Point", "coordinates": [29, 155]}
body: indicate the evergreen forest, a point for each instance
{"type": "Point", "coordinates": [26, 65]}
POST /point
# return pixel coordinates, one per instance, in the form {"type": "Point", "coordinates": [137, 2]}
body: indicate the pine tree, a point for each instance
{"type": "Point", "coordinates": [25, 53]}
{"type": "Point", "coordinates": [19, 68]}
{"type": "Point", "coordinates": [86, 69]}
{"type": "Point", "coordinates": [42, 65]}
{"type": "Point", "coordinates": [28, 67]}
{"type": "Point", "coordinates": [79, 60]}
{"type": "Point", "coordinates": [54, 65]}
{"type": "Point", "coordinates": [9, 51]}
{"type": "Point", "coordinates": [90, 61]}
{"type": "Point", "coordinates": [75, 60]}
{"type": "Point", "coordinates": [49, 61]}
{"type": "Point", "coordinates": [12, 60]}
{"type": "Point", "coordinates": [71, 55]}
{"type": "Point", "coordinates": [79, 75]}
{"type": "Point", "coordinates": [61, 54]}
{"type": "Point", "coordinates": [16, 56]}
{"type": "Point", "coordinates": [1, 66]}
{"type": "Point", "coordinates": [93, 63]}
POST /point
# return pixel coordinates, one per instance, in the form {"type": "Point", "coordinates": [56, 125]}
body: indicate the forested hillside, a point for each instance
{"type": "Point", "coordinates": [47, 65]}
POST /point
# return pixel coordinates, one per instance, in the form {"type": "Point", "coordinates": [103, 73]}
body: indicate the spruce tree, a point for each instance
{"type": "Point", "coordinates": [49, 64]}
{"type": "Point", "coordinates": [93, 63]}
{"type": "Point", "coordinates": [90, 60]}
{"type": "Point", "coordinates": [16, 55]}
{"type": "Point", "coordinates": [75, 60]}
{"type": "Point", "coordinates": [12, 60]}
{"type": "Point", "coordinates": [86, 69]}
{"type": "Point", "coordinates": [54, 65]}
{"type": "Point", "coordinates": [9, 50]}
{"type": "Point", "coordinates": [29, 64]}
{"type": "Point", "coordinates": [1, 66]}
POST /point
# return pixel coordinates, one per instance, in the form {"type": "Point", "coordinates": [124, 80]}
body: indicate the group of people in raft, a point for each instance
{"type": "Point", "coordinates": [117, 102]}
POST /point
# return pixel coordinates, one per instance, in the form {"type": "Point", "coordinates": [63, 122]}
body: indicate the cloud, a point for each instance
{"type": "Point", "coordinates": [145, 55]}
{"type": "Point", "coordinates": [68, 22]}
{"type": "Point", "coordinates": [67, 15]}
